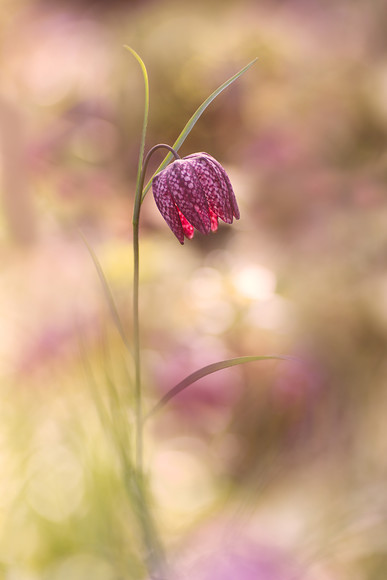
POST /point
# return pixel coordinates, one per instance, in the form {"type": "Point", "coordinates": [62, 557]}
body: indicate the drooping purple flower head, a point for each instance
{"type": "Point", "coordinates": [192, 193]}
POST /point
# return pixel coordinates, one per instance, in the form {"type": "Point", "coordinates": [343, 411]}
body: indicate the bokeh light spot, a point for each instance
{"type": "Point", "coordinates": [255, 282]}
{"type": "Point", "coordinates": [55, 488]}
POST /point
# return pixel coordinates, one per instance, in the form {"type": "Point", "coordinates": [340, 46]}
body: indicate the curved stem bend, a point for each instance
{"type": "Point", "coordinates": [139, 199]}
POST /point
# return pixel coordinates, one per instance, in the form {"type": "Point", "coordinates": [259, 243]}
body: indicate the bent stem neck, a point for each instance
{"type": "Point", "coordinates": [138, 200]}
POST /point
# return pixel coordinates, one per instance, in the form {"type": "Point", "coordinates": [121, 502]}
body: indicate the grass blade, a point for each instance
{"type": "Point", "coordinates": [193, 120]}
{"type": "Point", "coordinates": [108, 294]}
{"type": "Point", "coordinates": [146, 114]}
{"type": "Point", "coordinates": [208, 370]}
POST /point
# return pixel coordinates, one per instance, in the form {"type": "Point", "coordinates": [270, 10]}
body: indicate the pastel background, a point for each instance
{"type": "Point", "coordinates": [274, 470]}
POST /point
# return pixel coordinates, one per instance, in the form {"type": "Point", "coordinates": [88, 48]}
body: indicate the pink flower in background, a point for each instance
{"type": "Point", "coordinates": [253, 564]}
{"type": "Point", "coordinates": [236, 557]}
{"type": "Point", "coordinates": [194, 192]}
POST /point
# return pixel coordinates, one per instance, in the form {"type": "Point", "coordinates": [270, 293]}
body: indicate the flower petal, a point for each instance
{"type": "Point", "coordinates": [194, 192]}
{"type": "Point", "coordinates": [188, 195]}
{"type": "Point", "coordinates": [220, 194]}
{"type": "Point", "coordinates": [215, 188]}
{"type": "Point", "coordinates": [214, 221]}
{"type": "Point", "coordinates": [188, 229]}
{"type": "Point", "coordinates": [167, 206]}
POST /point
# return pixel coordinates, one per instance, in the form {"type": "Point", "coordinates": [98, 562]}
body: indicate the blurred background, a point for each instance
{"type": "Point", "coordinates": [272, 471]}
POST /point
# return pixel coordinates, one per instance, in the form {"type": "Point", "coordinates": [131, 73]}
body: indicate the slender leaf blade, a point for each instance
{"type": "Point", "coordinates": [145, 119]}
{"type": "Point", "coordinates": [208, 370]}
{"type": "Point", "coordinates": [193, 120]}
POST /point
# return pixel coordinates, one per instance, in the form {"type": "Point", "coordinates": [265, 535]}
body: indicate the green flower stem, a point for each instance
{"type": "Point", "coordinates": [155, 556]}
{"type": "Point", "coordinates": [136, 318]}
{"type": "Point", "coordinates": [136, 217]}
{"type": "Point", "coordinates": [134, 478]}
{"type": "Point", "coordinates": [136, 342]}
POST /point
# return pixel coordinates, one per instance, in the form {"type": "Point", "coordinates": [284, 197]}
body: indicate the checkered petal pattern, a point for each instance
{"type": "Point", "coordinates": [192, 193]}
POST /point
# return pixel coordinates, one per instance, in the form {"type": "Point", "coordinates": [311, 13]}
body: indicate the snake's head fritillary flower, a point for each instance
{"type": "Point", "coordinates": [192, 193]}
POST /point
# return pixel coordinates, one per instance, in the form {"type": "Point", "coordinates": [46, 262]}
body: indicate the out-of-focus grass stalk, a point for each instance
{"type": "Point", "coordinates": [108, 294]}
{"type": "Point", "coordinates": [114, 419]}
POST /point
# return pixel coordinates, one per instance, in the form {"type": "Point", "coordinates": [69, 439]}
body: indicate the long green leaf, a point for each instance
{"type": "Point", "coordinates": [193, 120]}
{"type": "Point", "coordinates": [208, 370]}
{"type": "Point", "coordinates": [145, 119]}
